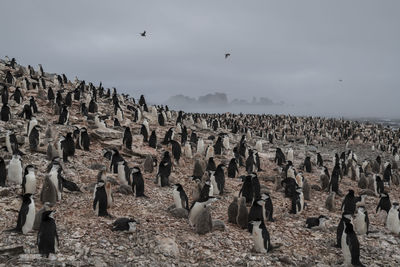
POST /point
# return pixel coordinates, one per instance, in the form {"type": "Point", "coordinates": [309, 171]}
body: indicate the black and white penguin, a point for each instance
{"type": "Point", "coordinates": [384, 204]}
{"type": "Point", "coordinates": [361, 221]}
{"type": "Point", "coordinates": [64, 116]}
{"type": "Point", "coordinates": [124, 173]}
{"type": "Point", "coordinates": [169, 135]}
{"type": "Point", "coordinates": [232, 168]}
{"type": "Point", "coordinates": [145, 133]}
{"type": "Point", "coordinates": [261, 237]}
{"type": "Point", "coordinates": [164, 170]}
{"type": "Point", "coordinates": [137, 182]}
{"type": "Point", "coordinates": [15, 170]}
{"type": "Point", "coordinates": [55, 178]}
{"type": "Point", "coordinates": [220, 178]}
{"type": "Point", "coordinates": [387, 174]}
{"type": "Point", "coordinates": [320, 161]}
{"type": "Point", "coordinates": [256, 213]}
{"type": "Point", "coordinates": [50, 94]}
{"type": "Point", "coordinates": [317, 222]}
{"type": "Point", "coordinates": [127, 138]}
{"type": "Point", "coordinates": [211, 166]}
{"type": "Point", "coordinates": [393, 219]}
{"type": "Point", "coordinates": [5, 113]}
{"type": "Point", "coordinates": [124, 224]}
{"type": "Point", "coordinates": [33, 105]}
{"type": "Point", "coordinates": [307, 164]}
{"type": "Point", "coordinates": [334, 181]}
{"type": "Point", "coordinates": [29, 180]}
{"type": "Point", "coordinates": [47, 239]}
{"type": "Point", "coordinates": [206, 190]}
{"type": "Point", "coordinates": [297, 202]}
{"type": "Point", "coordinates": [17, 95]}
{"type": "Point", "coordinates": [247, 190]}
{"type": "Point", "coordinates": [34, 138]}
{"type": "Point", "coordinates": [67, 147]}
{"type": "Point", "coordinates": [256, 186]}
{"type": "Point", "coordinates": [83, 141]}
{"type": "Point", "coordinates": [26, 215]}
{"type": "Point", "coordinates": [100, 202]}
{"type": "Point", "coordinates": [379, 186]}
{"type": "Point", "coordinates": [153, 139]}
{"type": "Point", "coordinates": [350, 246]}
{"type": "Point", "coordinates": [69, 185]}
{"type": "Point", "coordinates": [180, 198]}
{"type": "Point", "coordinates": [346, 218]}
{"type": "Point", "coordinates": [176, 150]}
{"type": "Point", "coordinates": [114, 156]}
{"type": "Point", "coordinates": [3, 173]}
{"type": "Point", "coordinates": [268, 208]}
{"type": "Point", "coordinates": [197, 207]}
{"type": "Point", "coordinates": [349, 203]}
{"type": "Point", "coordinates": [279, 157]}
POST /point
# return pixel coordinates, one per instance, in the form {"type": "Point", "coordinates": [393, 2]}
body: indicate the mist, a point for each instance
{"type": "Point", "coordinates": [326, 58]}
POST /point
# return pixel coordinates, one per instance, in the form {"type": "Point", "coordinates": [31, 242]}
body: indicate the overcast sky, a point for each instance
{"type": "Point", "coordinates": [292, 51]}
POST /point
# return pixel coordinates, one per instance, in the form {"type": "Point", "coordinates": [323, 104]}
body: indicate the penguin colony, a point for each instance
{"type": "Point", "coordinates": [56, 133]}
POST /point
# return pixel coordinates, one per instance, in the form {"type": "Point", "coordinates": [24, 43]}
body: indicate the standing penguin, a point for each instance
{"type": "Point", "coordinates": [56, 179]}
{"type": "Point", "coordinates": [247, 190]}
{"type": "Point", "coordinates": [242, 216]}
{"type": "Point", "coordinates": [100, 201]}
{"type": "Point", "coordinates": [137, 182]}
{"type": "Point", "coordinates": [232, 168]}
{"type": "Point", "coordinates": [26, 215]}
{"type": "Point", "coordinates": [127, 139]}
{"type": "Point", "coordinates": [350, 246]}
{"type": "Point", "coordinates": [15, 170]}
{"type": "Point", "coordinates": [153, 139]}
{"type": "Point", "coordinates": [384, 205]}
{"type": "Point", "coordinates": [34, 138]}
{"type": "Point", "coordinates": [346, 218]}
{"type": "Point", "coordinates": [5, 114]}
{"type": "Point", "coordinates": [29, 180]}
{"type": "Point", "coordinates": [297, 201]}
{"type": "Point", "coordinates": [320, 161]}
{"type": "Point", "coordinates": [164, 170]}
{"type": "Point", "coordinates": [261, 237]}
{"type": "Point", "coordinates": [268, 208]}
{"type": "Point", "coordinates": [3, 172]}
{"type": "Point", "coordinates": [361, 221]}
{"type": "Point", "coordinates": [334, 181]}
{"type": "Point", "coordinates": [83, 141]}
{"type": "Point", "coordinates": [349, 203]}
{"type": "Point", "coordinates": [124, 173]}
{"type": "Point", "coordinates": [64, 116]}
{"type": "Point", "coordinates": [393, 219]}
{"type": "Point", "coordinates": [211, 165]}
{"type": "Point", "coordinates": [176, 150]}
{"type": "Point", "coordinates": [47, 239]}
{"type": "Point", "coordinates": [180, 198]}
{"type": "Point", "coordinates": [256, 213]}
{"type": "Point", "coordinates": [378, 185]}
{"type": "Point", "coordinates": [220, 178]}
{"type": "Point", "coordinates": [307, 164]}
{"type": "Point", "coordinates": [233, 210]}
{"type": "Point", "coordinates": [330, 201]}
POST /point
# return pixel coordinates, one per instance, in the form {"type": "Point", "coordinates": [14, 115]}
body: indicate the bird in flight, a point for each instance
{"type": "Point", "coordinates": [143, 34]}
{"type": "Point", "coordinates": [227, 55]}
{"type": "Point", "coordinates": [340, 80]}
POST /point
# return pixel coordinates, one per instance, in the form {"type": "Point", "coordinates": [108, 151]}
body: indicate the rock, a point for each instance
{"type": "Point", "coordinates": [112, 181]}
{"type": "Point", "coordinates": [180, 213]}
{"type": "Point", "coordinates": [218, 225]}
{"type": "Point", "coordinates": [125, 189]}
{"type": "Point", "coordinates": [316, 187]}
{"type": "Point", "coordinates": [97, 167]}
{"type": "Point", "coordinates": [367, 192]}
{"type": "Point", "coordinates": [168, 247]}
{"type": "Point", "coordinates": [5, 192]}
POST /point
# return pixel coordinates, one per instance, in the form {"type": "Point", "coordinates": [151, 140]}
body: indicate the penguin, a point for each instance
{"type": "Point", "coordinates": [211, 166]}
{"type": "Point", "coordinates": [349, 203]}
{"type": "Point", "coordinates": [176, 150]}
{"type": "Point", "coordinates": [164, 170]}
{"type": "Point", "coordinates": [350, 246]}
{"type": "Point", "coordinates": [5, 113]}
{"type": "Point", "coordinates": [256, 213]}
{"type": "Point", "coordinates": [180, 198]}
{"type": "Point", "coordinates": [317, 222]}
{"type": "Point", "coordinates": [290, 156]}
{"type": "Point", "coordinates": [290, 183]}
{"type": "Point", "coordinates": [393, 219]}
{"type": "Point", "coordinates": [49, 191]}
{"type": "Point", "coordinates": [50, 94]}
{"type": "Point", "coordinates": [198, 170]}
{"type": "Point", "coordinates": [69, 185]}
{"type": "Point", "coordinates": [187, 150]}
{"type": "Point", "coordinates": [220, 178]}
{"type": "Point", "coordinates": [32, 123]}
{"type": "Point", "coordinates": [83, 141]}
{"type": "Point", "coordinates": [29, 181]}
{"type": "Point", "coordinates": [233, 210]}
{"type": "Point", "coordinates": [378, 185]}
{"type": "Point", "coordinates": [100, 201]}
{"type": "Point", "coordinates": [259, 146]}
{"type": "Point", "coordinates": [362, 181]}
{"type": "Point", "coordinates": [26, 215]}
{"type": "Point", "coordinates": [247, 191]}
{"type": "Point", "coordinates": [206, 190]}
{"type": "Point", "coordinates": [148, 165]}
{"type": "Point", "coordinates": [361, 221]}
{"type": "Point", "coordinates": [268, 208]}
{"type": "Point", "coordinates": [67, 146]}
{"type": "Point", "coordinates": [34, 138]}
{"type": "Point", "coordinates": [384, 204]}
{"type": "Point", "coordinates": [169, 135]}
{"type": "Point", "coordinates": [115, 158]}
{"type": "Point", "coordinates": [218, 146]}
{"type": "Point", "coordinates": [127, 138]}
{"type": "Point", "coordinates": [320, 161]}
{"type": "Point", "coordinates": [242, 216]}
{"type": "Point", "coordinates": [307, 164]}
{"type": "Point", "coordinates": [306, 190]}
{"type": "Point", "coordinates": [64, 116]}
{"type": "Point", "coordinates": [200, 146]}
{"type": "Point", "coordinates": [387, 174]}
{"type": "Point", "coordinates": [232, 168]}
{"type": "Point", "coordinates": [346, 218]}
{"type": "Point", "coordinates": [197, 207]}
{"type": "Point", "coordinates": [255, 183]}
{"type": "Point", "coordinates": [124, 224]}
{"type": "Point", "coordinates": [124, 173]}
{"type": "Point", "coordinates": [153, 140]}
{"type": "Point", "coordinates": [17, 95]}
{"type": "Point", "coordinates": [334, 181]}
{"type": "Point", "coordinates": [39, 215]}
{"type": "Point", "coordinates": [279, 157]}
{"type": "Point", "coordinates": [47, 238]}
{"type": "Point", "coordinates": [3, 172]}
{"type": "Point", "coordinates": [33, 105]}
{"type": "Point", "coordinates": [55, 178]}
{"type": "Point", "coordinates": [145, 133]}
{"type": "Point", "coordinates": [15, 170]}
{"type": "Point", "coordinates": [324, 178]}
{"type": "Point", "coordinates": [261, 237]}
{"type": "Point", "coordinates": [330, 201]}
{"type": "Point", "coordinates": [226, 145]}
{"type": "Point", "coordinates": [203, 221]}
{"type": "Point", "coordinates": [297, 202]}
{"type": "Point", "coordinates": [210, 152]}
{"type": "Point", "coordinates": [137, 182]}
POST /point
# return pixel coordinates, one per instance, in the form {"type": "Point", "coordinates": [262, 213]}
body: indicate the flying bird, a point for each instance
{"type": "Point", "coordinates": [143, 34]}
{"type": "Point", "coordinates": [227, 55]}
{"type": "Point", "coordinates": [340, 80]}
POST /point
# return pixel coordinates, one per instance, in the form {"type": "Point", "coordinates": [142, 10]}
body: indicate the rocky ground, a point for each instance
{"type": "Point", "coordinates": [163, 240]}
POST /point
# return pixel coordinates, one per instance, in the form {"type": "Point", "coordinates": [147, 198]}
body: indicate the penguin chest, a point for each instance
{"type": "Point", "coordinates": [15, 172]}
{"type": "Point", "coordinates": [345, 250]}
{"type": "Point", "coordinates": [194, 212]}
{"type": "Point", "coordinates": [30, 218]}
{"type": "Point", "coordinates": [214, 186]}
{"type": "Point", "coordinates": [177, 199]}
{"type": "Point", "coordinates": [30, 184]}
{"type": "Point", "coordinates": [54, 181]}
{"type": "Point", "coordinates": [8, 144]}
{"type": "Point", "coordinates": [301, 201]}
{"type": "Point", "coordinates": [360, 224]}
{"type": "Point", "coordinates": [121, 174]}
{"type": "Point", "coordinates": [258, 240]}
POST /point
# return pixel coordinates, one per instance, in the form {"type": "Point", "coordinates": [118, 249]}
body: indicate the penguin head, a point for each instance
{"type": "Point", "coordinates": [265, 196]}
{"type": "Point", "coordinates": [132, 225]}
{"type": "Point", "coordinates": [361, 209]}
{"type": "Point", "coordinates": [384, 194]}
{"type": "Point", "coordinates": [395, 206]}
{"type": "Point", "coordinates": [48, 215]}
{"type": "Point", "coordinates": [260, 202]}
{"type": "Point", "coordinates": [256, 223]}
{"type": "Point", "coordinates": [351, 193]}
{"type": "Point", "coordinates": [323, 219]}
{"type": "Point", "coordinates": [211, 200]}
{"type": "Point", "coordinates": [29, 168]}
{"type": "Point", "coordinates": [178, 187]}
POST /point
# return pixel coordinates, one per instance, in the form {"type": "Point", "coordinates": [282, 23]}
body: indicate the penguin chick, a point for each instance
{"type": "Point", "coordinates": [233, 210]}
{"type": "Point", "coordinates": [124, 224]}
{"type": "Point", "coordinates": [330, 202]}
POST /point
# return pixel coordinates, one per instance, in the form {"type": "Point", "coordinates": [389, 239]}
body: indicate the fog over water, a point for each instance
{"type": "Point", "coordinates": [329, 58]}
